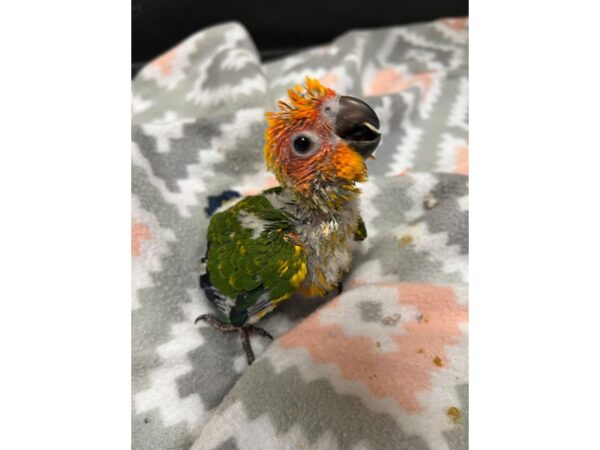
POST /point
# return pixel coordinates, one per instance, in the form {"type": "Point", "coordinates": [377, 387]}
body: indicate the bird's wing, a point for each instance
{"type": "Point", "coordinates": [361, 230]}
{"type": "Point", "coordinates": [254, 257]}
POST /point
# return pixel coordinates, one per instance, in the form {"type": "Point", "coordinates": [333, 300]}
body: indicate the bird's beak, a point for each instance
{"type": "Point", "coordinates": [358, 125]}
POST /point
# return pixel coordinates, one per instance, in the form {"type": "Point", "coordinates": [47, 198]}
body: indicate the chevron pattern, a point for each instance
{"type": "Point", "coordinates": [382, 365]}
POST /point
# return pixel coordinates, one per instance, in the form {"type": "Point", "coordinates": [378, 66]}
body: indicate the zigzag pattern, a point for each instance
{"type": "Point", "coordinates": [384, 365]}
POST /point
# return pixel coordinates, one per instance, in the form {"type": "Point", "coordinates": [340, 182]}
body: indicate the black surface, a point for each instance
{"type": "Point", "coordinates": [278, 27]}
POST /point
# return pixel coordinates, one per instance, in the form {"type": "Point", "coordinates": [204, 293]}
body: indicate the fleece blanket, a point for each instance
{"type": "Point", "coordinates": [383, 364]}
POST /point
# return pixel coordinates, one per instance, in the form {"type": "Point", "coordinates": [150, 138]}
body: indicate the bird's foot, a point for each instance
{"type": "Point", "coordinates": [244, 331]}
{"type": "Point", "coordinates": [212, 320]}
{"type": "Point", "coordinates": [245, 337]}
{"type": "Point", "coordinates": [260, 331]}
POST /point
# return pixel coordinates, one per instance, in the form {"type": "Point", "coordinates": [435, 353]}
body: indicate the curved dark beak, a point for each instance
{"type": "Point", "coordinates": [358, 125]}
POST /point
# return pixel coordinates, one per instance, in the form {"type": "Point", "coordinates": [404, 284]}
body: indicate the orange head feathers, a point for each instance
{"type": "Point", "coordinates": [318, 138]}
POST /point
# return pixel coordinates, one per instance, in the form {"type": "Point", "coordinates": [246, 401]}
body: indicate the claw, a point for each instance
{"type": "Point", "coordinates": [259, 331]}
{"type": "Point", "coordinates": [244, 332]}
{"type": "Point", "coordinates": [199, 318]}
{"type": "Point", "coordinates": [215, 323]}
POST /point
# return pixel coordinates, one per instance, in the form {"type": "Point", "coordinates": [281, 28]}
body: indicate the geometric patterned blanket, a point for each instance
{"type": "Point", "coordinates": [383, 364]}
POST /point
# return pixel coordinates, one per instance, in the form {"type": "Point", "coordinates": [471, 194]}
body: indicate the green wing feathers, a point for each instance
{"type": "Point", "coordinates": [361, 231]}
{"type": "Point", "coordinates": [253, 251]}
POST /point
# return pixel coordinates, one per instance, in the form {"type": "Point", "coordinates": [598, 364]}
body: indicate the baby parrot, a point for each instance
{"type": "Point", "coordinates": [295, 238]}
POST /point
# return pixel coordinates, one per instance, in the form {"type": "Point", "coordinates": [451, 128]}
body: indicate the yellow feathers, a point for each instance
{"type": "Point", "coordinates": [299, 276]}
{"type": "Point", "coordinates": [348, 164]}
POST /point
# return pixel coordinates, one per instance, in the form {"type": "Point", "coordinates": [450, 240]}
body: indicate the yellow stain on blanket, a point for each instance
{"type": "Point", "coordinates": [454, 414]}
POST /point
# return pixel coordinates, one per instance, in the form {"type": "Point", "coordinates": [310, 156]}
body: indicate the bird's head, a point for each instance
{"type": "Point", "coordinates": [318, 139]}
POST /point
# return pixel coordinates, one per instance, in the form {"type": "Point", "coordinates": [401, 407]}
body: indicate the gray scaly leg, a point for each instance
{"type": "Point", "coordinates": [215, 323]}
{"type": "Point", "coordinates": [245, 332]}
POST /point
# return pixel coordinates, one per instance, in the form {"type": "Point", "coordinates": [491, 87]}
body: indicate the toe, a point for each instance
{"type": "Point", "coordinates": [199, 318]}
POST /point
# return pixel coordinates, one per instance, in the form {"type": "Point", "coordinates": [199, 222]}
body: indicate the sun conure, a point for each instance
{"type": "Point", "coordinates": [295, 238]}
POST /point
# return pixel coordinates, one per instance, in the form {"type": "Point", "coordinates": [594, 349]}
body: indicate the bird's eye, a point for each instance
{"type": "Point", "coordinates": [302, 144]}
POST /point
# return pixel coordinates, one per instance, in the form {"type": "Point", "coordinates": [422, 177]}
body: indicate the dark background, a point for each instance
{"type": "Point", "coordinates": [278, 27]}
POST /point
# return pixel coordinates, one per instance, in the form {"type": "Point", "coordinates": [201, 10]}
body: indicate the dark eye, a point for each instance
{"type": "Point", "coordinates": [302, 144]}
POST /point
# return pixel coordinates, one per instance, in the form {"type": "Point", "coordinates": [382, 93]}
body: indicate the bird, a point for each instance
{"type": "Point", "coordinates": [296, 238]}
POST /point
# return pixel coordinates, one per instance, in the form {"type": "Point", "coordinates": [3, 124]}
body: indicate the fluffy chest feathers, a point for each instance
{"type": "Point", "coordinates": [329, 252]}
{"type": "Point", "coordinates": [327, 237]}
